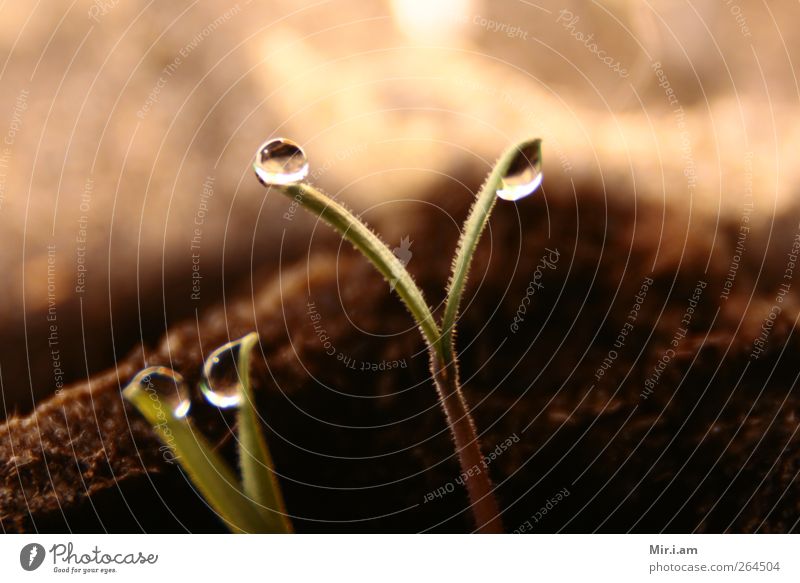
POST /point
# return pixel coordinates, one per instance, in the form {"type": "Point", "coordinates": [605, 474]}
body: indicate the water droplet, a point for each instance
{"type": "Point", "coordinates": [167, 386]}
{"type": "Point", "coordinates": [524, 174]}
{"type": "Point", "coordinates": [222, 377]}
{"type": "Point", "coordinates": [280, 162]}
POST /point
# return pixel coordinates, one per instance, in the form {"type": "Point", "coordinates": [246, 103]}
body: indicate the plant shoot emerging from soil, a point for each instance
{"type": "Point", "coordinates": [255, 503]}
{"type": "Point", "coordinates": [518, 173]}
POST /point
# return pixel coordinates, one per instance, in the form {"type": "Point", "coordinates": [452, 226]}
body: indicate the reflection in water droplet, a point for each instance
{"type": "Point", "coordinates": [166, 386]}
{"type": "Point", "coordinates": [280, 162]}
{"type": "Point", "coordinates": [221, 376]}
{"type": "Point", "coordinates": [524, 174]}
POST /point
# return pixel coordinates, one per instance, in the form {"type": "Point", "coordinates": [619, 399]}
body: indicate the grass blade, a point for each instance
{"type": "Point", "coordinates": [212, 476]}
{"type": "Point", "coordinates": [258, 476]}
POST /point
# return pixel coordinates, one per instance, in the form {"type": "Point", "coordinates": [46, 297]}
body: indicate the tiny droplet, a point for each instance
{"type": "Point", "coordinates": [222, 377]}
{"type": "Point", "coordinates": [280, 162]}
{"type": "Point", "coordinates": [524, 174]}
{"type": "Point", "coordinates": [166, 386]}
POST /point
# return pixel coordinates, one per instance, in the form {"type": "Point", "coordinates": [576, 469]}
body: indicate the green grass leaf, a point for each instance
{"type": "Point", "coordinates": [258, 475]}
{"type": "Point", "coordinates": [206, 469]}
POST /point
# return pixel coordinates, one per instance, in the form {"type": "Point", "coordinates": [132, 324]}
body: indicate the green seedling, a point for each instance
{"type": "Point", "coordinates": [282, 164]}
{"type": "Point", "coordinates": [253, 504]}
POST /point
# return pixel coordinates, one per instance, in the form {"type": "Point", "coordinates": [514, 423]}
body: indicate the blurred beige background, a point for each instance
{"type": "Point", "coordinates": [126, 123]}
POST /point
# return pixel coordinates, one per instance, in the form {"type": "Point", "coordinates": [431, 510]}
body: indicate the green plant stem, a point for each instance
{"type": "Point", "coordinates": [470, 236]}
{"type": "Point", "coordinates": [443, 365]}
{"type": "Point", "coordinates": [479, 486]}
{"type": "Point", "coordinates": [487, 513]}
{"type": "Point", "coordinates": [258, 474]}
{"type": "Point", "coordinates": [366, 241]}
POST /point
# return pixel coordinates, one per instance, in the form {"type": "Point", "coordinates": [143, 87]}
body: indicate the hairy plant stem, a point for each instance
{"type": "Point", "coordinates": [468, 242]}
{"type": "Point", "coordinates": [479, 486]}
{"type": "Point", "coordinates": [444, 366]}
{"type": "Point", "coordinates": [365, 240]}
{"type": "Point", "coordinates": [487, 514]}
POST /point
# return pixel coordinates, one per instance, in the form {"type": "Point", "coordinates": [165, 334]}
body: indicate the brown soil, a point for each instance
{"type": "Point", "coordinates": [713, 448]}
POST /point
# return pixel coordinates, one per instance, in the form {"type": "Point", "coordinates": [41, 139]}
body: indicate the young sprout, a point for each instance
{"type": "Point", "coordinates": [227, 370]}
{"type": "Point", "coordinates": [516, 175]}
{"type": "Point", "coordinates": [255, 503]}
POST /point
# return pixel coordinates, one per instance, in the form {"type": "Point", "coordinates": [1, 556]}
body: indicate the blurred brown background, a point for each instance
{"type": "Point", "coordinates": [128, 125]}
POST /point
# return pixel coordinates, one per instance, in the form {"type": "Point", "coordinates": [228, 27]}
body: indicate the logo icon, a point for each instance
{"type": "Point", "coordinates": [403, 254]}
{"type": "Point", "coordinates": [31, 556]}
